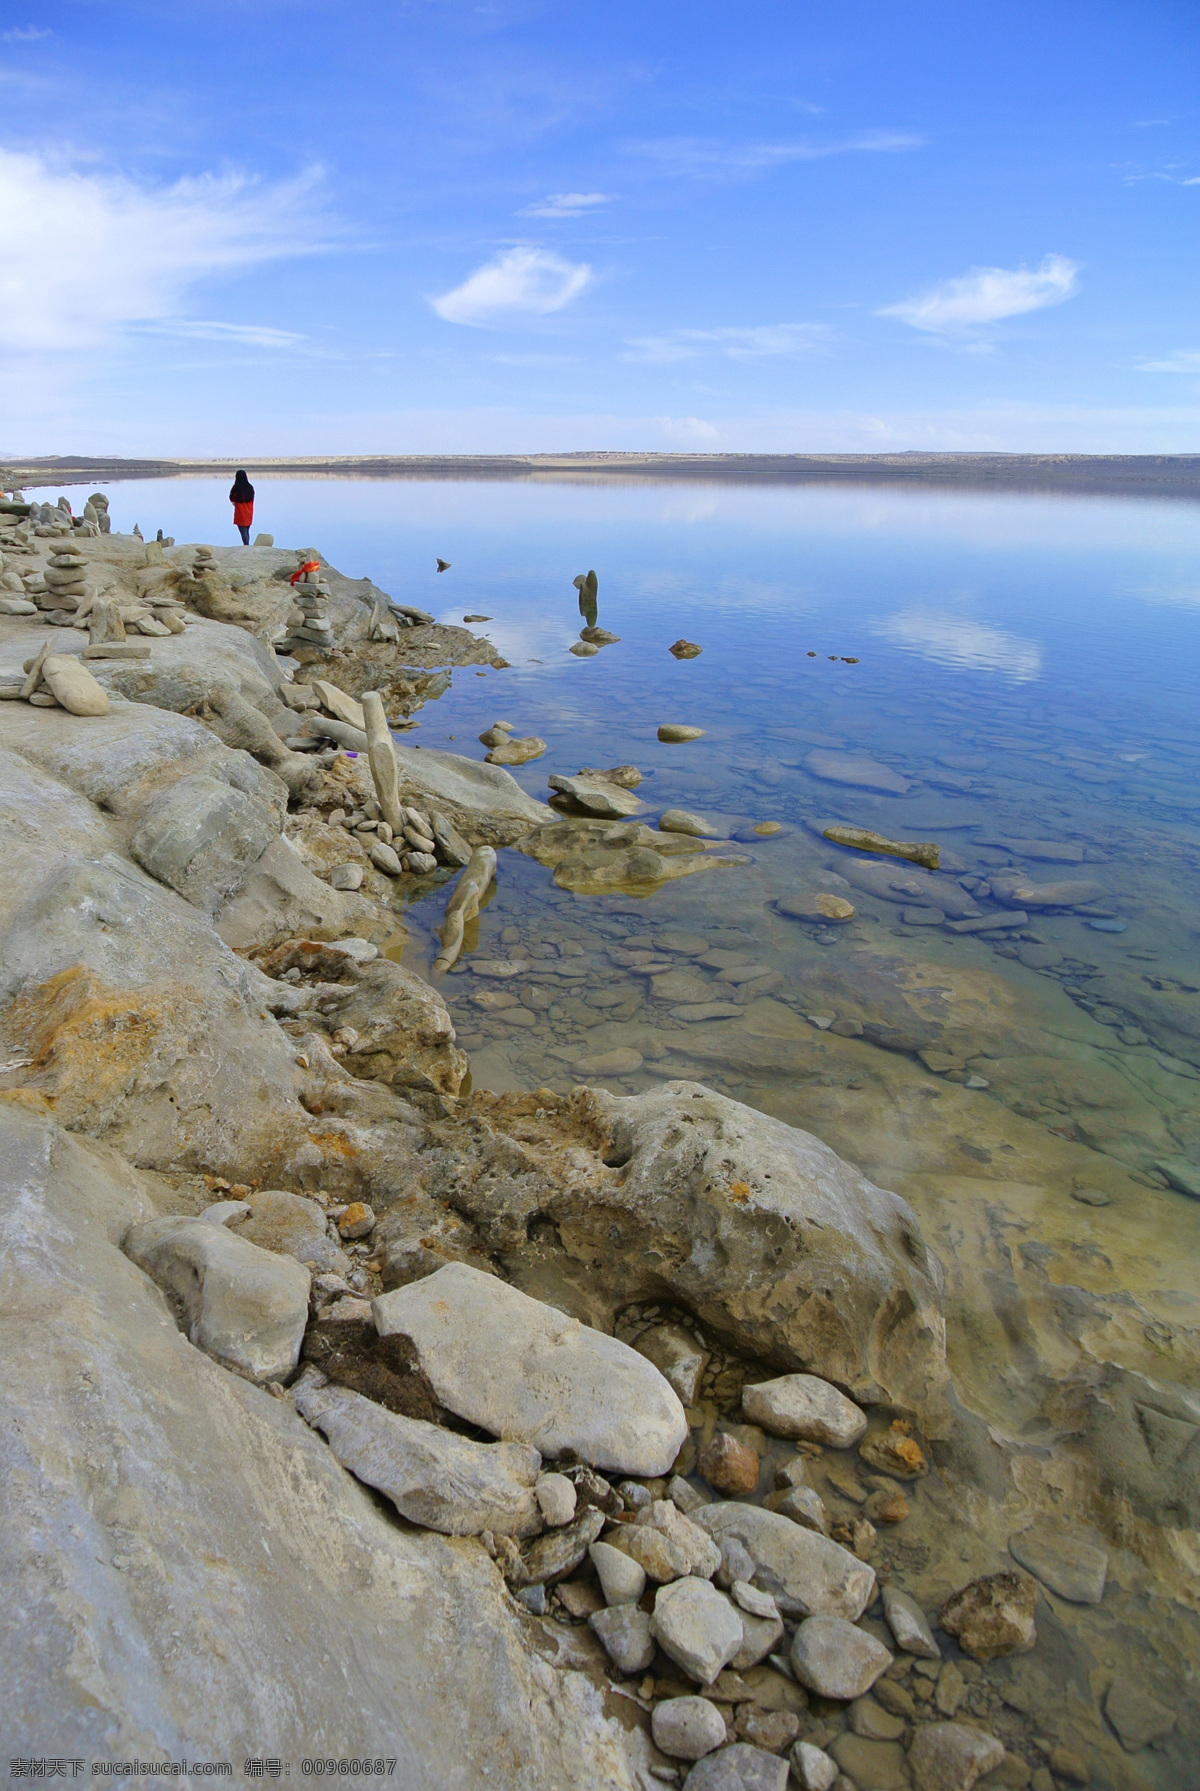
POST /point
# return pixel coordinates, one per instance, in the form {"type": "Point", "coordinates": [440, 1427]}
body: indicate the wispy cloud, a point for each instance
{"type": "Point", "coordinates": [253, 335]}
{"type": "Point", "coordinates": [1184, 360]}
{"type": "Point", "coordinates": [520, 282]}
{"type": "Point", "coordinates": [706, 156]}
{"type": "Point", "coordinates": [24, 34]}
{"type": "Point", "coordinates": [565, 205]}
{"type": "Point", "coordinates": [84, 256]}
{"type": "Point", "coordinates": [987, 295]}
{"type": "Point", "coordinates": [739, 344]}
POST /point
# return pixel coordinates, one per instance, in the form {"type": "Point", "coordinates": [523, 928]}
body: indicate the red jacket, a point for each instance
{"type": "Point", "coordinates": [243, 515]}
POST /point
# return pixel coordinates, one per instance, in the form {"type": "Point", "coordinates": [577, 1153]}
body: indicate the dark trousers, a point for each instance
{"type": "Point", "coordinates": [244, 532]}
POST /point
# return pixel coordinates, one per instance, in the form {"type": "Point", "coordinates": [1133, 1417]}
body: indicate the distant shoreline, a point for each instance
{"type": "Point", "coordinates": [1148, 475]}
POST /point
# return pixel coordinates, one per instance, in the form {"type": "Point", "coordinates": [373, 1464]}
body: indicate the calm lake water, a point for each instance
{"type": "Point", "coordinates": [1028, 666]}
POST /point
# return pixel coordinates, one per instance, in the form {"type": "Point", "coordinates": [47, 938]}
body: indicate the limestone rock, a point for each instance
{"type": "Point", "coordinates": [201, 837]}
{"type": "Point", "coordinates": [682, 649]}
{"type": "Point", "coordinates": [738, 1768]}
{"type": "Point", "coordinates": [806, 1573]}
{"type": "Point", "coordinates": [625, 1633]}
{"type": "Point", "coordinates": [760, 1636]}
{"type": "Point", "coordinates": [656, 1555]}
{"type": "Point", "coordinates": [516, 752]}
{"type": "Point", "coordinates": [596, 796]}
{"type": "Point", "coordinates": [556, 1499]}
{"type": "Point", "coordinates": [696, 1546]}
{"type": "Point", "coordinates": [821, 908]}
{"type": "Point", "coordinates": [292, 1226]}
{"type": "Point", "coordinates": [951, 1756]}
{"type": "Point", "coordinates": [858, 769]}
{"type": "Point", "coordinates": [730, 1466]}
{"type": "Point", "coordinates": [621, 1579]}
{"type": "Point", "coordinates": [801, 1405]}
{"type": "Point", "coordinates": [676, 733]}
{"type": "Point", "coordinates": [681, 820]}
{"type": "Point", "coordinates": [677, 1356]}
{"type": "Point", "coordinates": [74, 686]}
{"type": "Point", "coordinates": [697, 1626]}
{"type": "Point", "coordinates": [432, 1476]}
{"type": "Point", "coordinates": [813, 1767]}
{"type": "Point", "coordinates": [707, 1186]}
{"type": "Point", "coordinates": [805, 1506]}
{"type": "Point", "coordinates": [909, 1624]}
{"type": "Point", "coordinates": [524, 1371]}
{"type": "Point", "coordinates": [1073, 1568]}
{"type": "Point", "coordinates": [835, 1659]}
{"type": "Point", "coordinates": [687, 1728]}
{"type": "Point", "coordinates": [176, 1498]}
{"type": "Point", "coordinates": [556, 1554]}
{"type": "Point", "coordinates": [992, 1616]}
{"type": "Point", "coordinates": [241, 1305]}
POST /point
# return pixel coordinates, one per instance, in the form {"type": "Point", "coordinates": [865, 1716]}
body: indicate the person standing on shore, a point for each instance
{"type": "Point", "coordinates": [241, 496]}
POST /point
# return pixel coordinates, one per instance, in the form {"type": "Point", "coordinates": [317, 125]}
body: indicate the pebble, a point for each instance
{"type": "Point", "coordinates": [583, 649]}
{"type": "Point", "coordinates": [951, 1756]}
{"type": "Point", "coordinates": [622, 1580]}
{"type": "Point", "coordinates": [622, 1062]}
{"type": "Point", "coordinates": [675, 733]}
{"type": "Point", "coordinates": [738, 1768]}
{"type": "Point", "coordinates": [1108, 926]}
{"type": "Point", "coordinates": [384, 859]}
{"type": "Point", "coordinates": [694, 1012]}
{"type": "Point", "coordinates": [806, 1572]}
{"type": "Point", "coordinates": [625, 1632]}
{"type": "Point", "coordinates": [894, 1452]}
{"type": "Point", "coordinates": [819, 908]}
{"type": "Point", "coordinates": [803, 1405]}
{"type": "Point", "coordinates": [732, 1467]}
{"type": "Point", "coordinates": [835, 1659]}
{"type": "Point", "coordinates": [579, 1598]}
{"type": "Point", "coordinates": [873, 1722]}
{"type": "Point", "coordinates": [556, 1497]}
{"type": "Point", "coordinates": [357, 1221]}
{"type": "Point", "coordinates": [697, 1626]}
{"type": "Point", "coordinates": [558, 1552]}
{"type": "Point", "coordinates": [681, 1362]}
{"type": "Point", "coordinates": [682, 1494]}
{"type": "Point", "coordinates": [1067, 1564]}
{"type": "Point", "coordinates": [858, 769]}
{"type": "Point", "coordinates": [654, 1553]}
{"type": "Point", "coordinates": [697, 1547]}
{"type": "Point", "coordinates": [813, 1768]}
{"type": "Point", "coordinates": [909, 1624]}
{"type": "Point", "coordinates": [687, 1728]}
{"type": "Point", "coordinates": [681, 820]}
{"type": "Point", "coordinates": [346, 876]}
{"type": "Point", "coordinates": [805, 1506]}
{"type": "Point", "coordinates": [992, 1617]}
{"type": "Point", "coordinates": [750, 1599]}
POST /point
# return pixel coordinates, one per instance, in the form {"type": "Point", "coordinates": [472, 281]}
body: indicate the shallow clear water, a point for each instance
{"type": "Point", "coordinates": [1028, 665]}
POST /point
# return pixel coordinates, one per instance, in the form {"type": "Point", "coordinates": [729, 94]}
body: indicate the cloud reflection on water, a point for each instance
{"type": "Point", "coordinates": [961, 642]}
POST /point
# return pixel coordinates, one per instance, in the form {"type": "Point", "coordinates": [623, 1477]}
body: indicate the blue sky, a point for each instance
{"type": "Point", "coordinates": [301, 228]}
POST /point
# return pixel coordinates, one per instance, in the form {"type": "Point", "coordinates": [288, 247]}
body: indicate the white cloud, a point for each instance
{"type": "Point", "coordinates": [748, 344]}
{"type": "Point", "coordinates": [962, 643]}
{"type": "Point", "coordinates": [1185, 360]}
{"type": "Point", "coordinates": [85, 255]}
{"type": "Point", "coordinates": [24, 34]}
{"type": "Point", "coordinates": [704, 155]}
{"type": "Point", "coordinates": [565, 205]}
{"type": "Point", "coordinates": [253, 335]}
{"type": "Point", "coordinates": [986, 295]}
{"type": "Point", "coordinates": [518, 282]}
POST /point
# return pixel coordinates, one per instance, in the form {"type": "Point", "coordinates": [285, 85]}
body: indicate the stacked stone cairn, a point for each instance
{"type": "Point", "coordinates": [13, 601]}
{"type": "Point", "coordinates": [62, 587]}
{"type": "Point", "coordinates": [57, 681]}
{"type": "Point", "coordinates": [310, 623]}
{"type": "Point", "coordinates": [426, 841]}
{"type": "Point", "coordinates": [96, 511]}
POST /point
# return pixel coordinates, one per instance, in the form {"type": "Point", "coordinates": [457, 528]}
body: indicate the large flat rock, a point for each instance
{"type": "Point", "coordinates": [193, 1572]}
{"type": "Point", "coordinates": [526, 1372]}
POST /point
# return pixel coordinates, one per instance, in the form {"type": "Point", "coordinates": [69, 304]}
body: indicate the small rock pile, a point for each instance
{"type": "Point", "coordinates": [426, 841]}
{"type": "Point", "coordinates": [63, 585]}
{"type": "Point", "coordinates": [58, 680]}
{"type": "Point", "coordinates": [13, 600]}
{"type": "Point", "coordinates": [310, 623]}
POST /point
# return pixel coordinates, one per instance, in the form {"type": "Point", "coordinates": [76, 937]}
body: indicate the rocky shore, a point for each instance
{"type": "Point", "coordinates": [540, 1439]}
